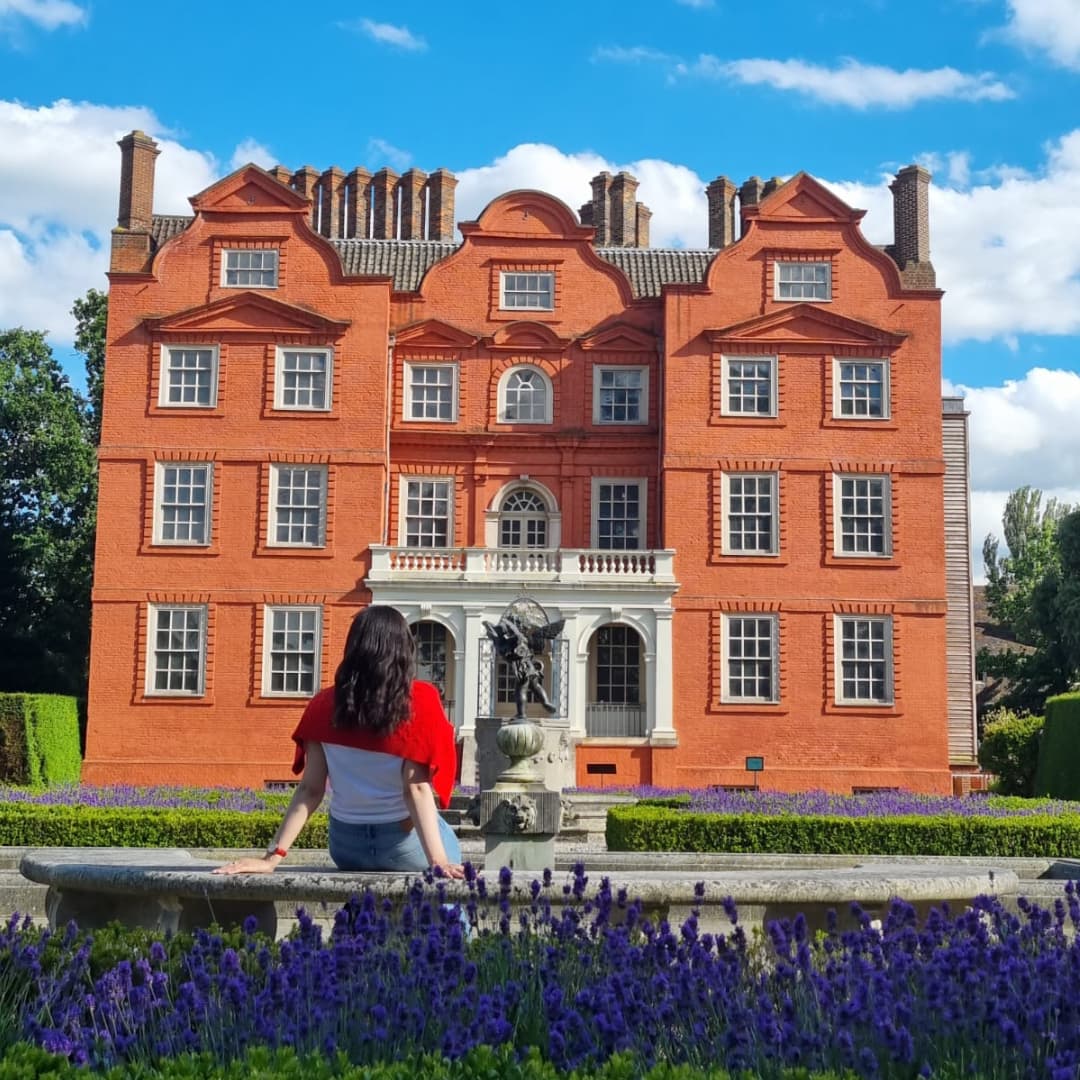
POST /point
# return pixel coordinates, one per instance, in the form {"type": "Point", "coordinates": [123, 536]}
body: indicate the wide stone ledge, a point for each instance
{"type": "Point", "coordinates": [171, 890]}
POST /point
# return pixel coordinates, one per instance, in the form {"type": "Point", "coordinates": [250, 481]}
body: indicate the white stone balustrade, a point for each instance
{"type": "Point", "coordinates": [486, 565]}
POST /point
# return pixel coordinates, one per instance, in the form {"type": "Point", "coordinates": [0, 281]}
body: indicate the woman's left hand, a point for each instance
{"type": "Point", "coordinates": [246, 866]}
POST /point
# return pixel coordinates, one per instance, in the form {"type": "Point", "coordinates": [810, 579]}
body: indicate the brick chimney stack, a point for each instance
{"type": "Point", "coordinates": [138, 153]}
{"type": "Point", "coordinates": [411, 195]}
{"type": "Point", "coordinates": [383, 185]}
{"type": "Point", "coordinates": [440, 187]}
{"type": "Point", "coordinates": [131, 239]}
{"type": "Point", "coordinates": [911, 226]}
{"type": "Point", "coordinates": [332, 199]}
{"type": "Point", "coordinates": [750, 194]}
{"type": "Point", "coordinates": [358, 210]}
{"type": "Point", "coordinates": [721, 197]}
{"type": "Point", "coordinates": [614, 212]}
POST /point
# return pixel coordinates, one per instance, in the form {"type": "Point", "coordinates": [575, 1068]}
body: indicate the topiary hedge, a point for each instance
{"type": "Point", "coordinates": [1010, 750]}
{"type": "Point", "coordinates": [39, 739]}
{"type": "Point", "coordinates": [654, 828]}
{"type": "Point", "coordinates": [1058, 773]}
{"type": "Point", "coordinates": [24, 825]}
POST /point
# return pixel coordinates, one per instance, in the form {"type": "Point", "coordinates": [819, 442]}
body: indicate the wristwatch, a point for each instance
{"type": "Point", "coordinates": [273, 849]}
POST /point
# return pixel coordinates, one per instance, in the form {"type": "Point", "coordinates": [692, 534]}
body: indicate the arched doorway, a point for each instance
{"type": "Point", "coordinates": [616, 706]}
{"type": "Point", "coordinates": [434, 651]}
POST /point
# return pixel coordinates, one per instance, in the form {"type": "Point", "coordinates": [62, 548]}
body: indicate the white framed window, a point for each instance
{"type": "Point", "coordinates": [523, 520]}
{"type": "Point", "coordinates": [297, 506]}
{"type": "Point", "coordinates": [618, 517]}
{"type": "Point", "coordinates": [864, 660]}
{"type": "Point", "coordinates": [431, 392]}
{"type": "Point", "coordinates": [525, 396]}
{"type": "Point", "coordinates": [249, 268]}
{"type": "Point", "coordinates": [751, 514]}
{"type": "Point", "coordinates": [189, 376]}
{"type": "Point", "coordinates": [620, 395]}
{"type": "Point", "coordinates": [803, 280]}
{"type": "Point", "coordinates": [861, 389]}
{"type": "Point", "coordinates": [863, 515]}
{"type": "Point", "coordinates": [427, 512]}
{"type": "Point", "coordinates": [182, 502]}
{"type": "Point", "coordinates": [527, 291]}
{"type": "Point", "coordinates": [292, 649]}
{"type": "Point", "coordinates": [176, 651]}
{"type": "Point", "coordinates": [750, 658]}
{"type": "Point", "coordinates": [748, 386]}
{"type": "Point", "coordinates": [302, 379]}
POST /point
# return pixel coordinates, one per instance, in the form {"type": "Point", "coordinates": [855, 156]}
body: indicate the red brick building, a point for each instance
{"type": "Point", "coordinates": [727, 470]}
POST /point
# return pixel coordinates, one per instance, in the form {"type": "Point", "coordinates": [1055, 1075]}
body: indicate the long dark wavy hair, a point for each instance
{"type": "Point", "coordinates": [373, 682]}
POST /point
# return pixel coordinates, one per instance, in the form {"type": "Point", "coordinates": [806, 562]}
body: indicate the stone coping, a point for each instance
{"type": "Point", "coordinates": [177, 873]}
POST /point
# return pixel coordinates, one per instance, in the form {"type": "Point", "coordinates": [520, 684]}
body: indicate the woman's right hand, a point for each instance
{"type": "Point", "coordinates": [450, 870]}
{"type": "Point", "coordinates": [247, 866]}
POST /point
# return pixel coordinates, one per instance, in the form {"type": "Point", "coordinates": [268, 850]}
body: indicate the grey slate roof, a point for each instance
{"type": "Point", "coordinates": [406, 261]}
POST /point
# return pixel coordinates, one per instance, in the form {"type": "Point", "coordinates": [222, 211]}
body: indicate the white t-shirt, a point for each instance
{"type": "Point", "coordinates": [366, 785]}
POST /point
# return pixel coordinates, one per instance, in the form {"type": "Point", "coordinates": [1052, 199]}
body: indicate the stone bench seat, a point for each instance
{"type": "Point", "coordinates": [171, 890]}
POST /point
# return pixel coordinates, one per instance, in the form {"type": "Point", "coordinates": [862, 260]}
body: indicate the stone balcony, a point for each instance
{"type": "Point", "coordinates": [487, 566]}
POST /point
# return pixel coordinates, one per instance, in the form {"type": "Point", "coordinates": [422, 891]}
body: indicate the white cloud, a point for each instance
{"type": "Point", "coordinates": [48, 14]}
{"type": "Point", "coordinates": [1050, 25]}
{"type": "Point", "coordinates": [1006, 249]}
{"type": "Point", "coordinates": [251, 151]}
{"type": "Point", "coordinates": [1022, 432]}
{"type": "Point", "coordinates": [633, 54]}
{"type": "Point", "coordinates": [673, 192]}
{"type": "Point", "coordinates": [379, 150]}
{"type": "Point", "coordinates": [55, 222]}
{"type": "Point", "coordinates": [399, 37]}
{"type": "Point", "coordinates": [854, 84]}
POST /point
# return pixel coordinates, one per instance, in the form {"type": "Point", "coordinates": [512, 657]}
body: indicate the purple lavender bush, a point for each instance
{"type": "Point", "coordinates": [982, 993]}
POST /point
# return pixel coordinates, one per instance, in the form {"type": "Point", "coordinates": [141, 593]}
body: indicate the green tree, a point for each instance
{"type": "Point", "coordinates": [91, 314]}
{"type": "Point", "coordinates": [47, 498]}
{"type": "Point", "coordinates": [1049, 621]}
{"type": "Point", "coordinates": [1030, 530]}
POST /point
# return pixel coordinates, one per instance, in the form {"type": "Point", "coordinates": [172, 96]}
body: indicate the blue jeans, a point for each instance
{"type": "Point", "coordinates": [385, 846]}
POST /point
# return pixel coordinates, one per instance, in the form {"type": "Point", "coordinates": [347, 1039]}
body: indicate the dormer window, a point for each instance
{"type": "Point", "coordinates": [527, 292]}
{"type": "Point", "coordinates": [803, 281]}
{"type": "Point", "coordinates": [249, 269]}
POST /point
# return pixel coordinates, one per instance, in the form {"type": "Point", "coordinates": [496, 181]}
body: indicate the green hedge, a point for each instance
{"type": "Point", "coordinates": [1010, 750]}
{"type": "Point", "coordinates": [26, 825]}
{"type": "Point", "coordinates": [1058, 774]}
{"type": "Point", "coordinates": [24, 1062]}
{"type": "Point", "coordinates": [39, 739]}
{"type": "Point", "coordinates": [653, 828]}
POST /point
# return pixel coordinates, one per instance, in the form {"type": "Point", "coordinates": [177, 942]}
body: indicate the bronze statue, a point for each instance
{"type": "Point", "coordinates": [520, 638]}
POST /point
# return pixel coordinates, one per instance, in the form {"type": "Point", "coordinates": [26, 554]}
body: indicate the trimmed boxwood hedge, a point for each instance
{"type": "Point", "coordinates": [26, 825]}
{"type": "Point", "coordinates": [39, 739]}
{"type": "Point", "coordinates": [658, 828]}
{"type": "Point", "coordinates": [1058, 772]}
{"type": "Point", "coordinates": [23, 1062]}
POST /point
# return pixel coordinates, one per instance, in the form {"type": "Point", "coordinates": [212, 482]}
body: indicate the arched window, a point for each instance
{"type": "Point", "coordinates": [433, 648]}
{"type": "Point", "coordinates": [523, 520]}
{"type": "Point", "coordinates": [525, 397]}
{"type": "Point", "coordinates": [616, 706]}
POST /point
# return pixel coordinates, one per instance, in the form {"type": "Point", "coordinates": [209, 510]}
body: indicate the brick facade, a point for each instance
{"type": "Point", "coordinates": [624, 463]}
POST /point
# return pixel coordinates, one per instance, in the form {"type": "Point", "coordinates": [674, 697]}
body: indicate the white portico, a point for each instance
{"type": "Point", "coordinates": [617, 611]}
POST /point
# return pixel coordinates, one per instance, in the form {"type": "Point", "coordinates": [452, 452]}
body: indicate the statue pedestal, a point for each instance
{"type": "Point", "coordinates": [555, 761]}
{"type": "Point", "coordinates": [519, 823]}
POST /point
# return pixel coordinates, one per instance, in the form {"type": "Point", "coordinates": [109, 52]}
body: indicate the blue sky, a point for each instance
{"type": "Point", "coordinates": [678, 91]}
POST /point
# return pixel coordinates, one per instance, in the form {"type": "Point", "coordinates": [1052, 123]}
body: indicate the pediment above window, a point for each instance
{"type": "Point", "coordinates": [531, 336]}
{"type": "Point", "coordinates": [247, 189]}
{"type": "Point", "coordinates": [433, 334]}
{"type": "Point", "coordinates": [245, 313]}
{"type": "Point", "coordinates": [619, 337]}
{"type": "Point", "coordinates": [805, 323]}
